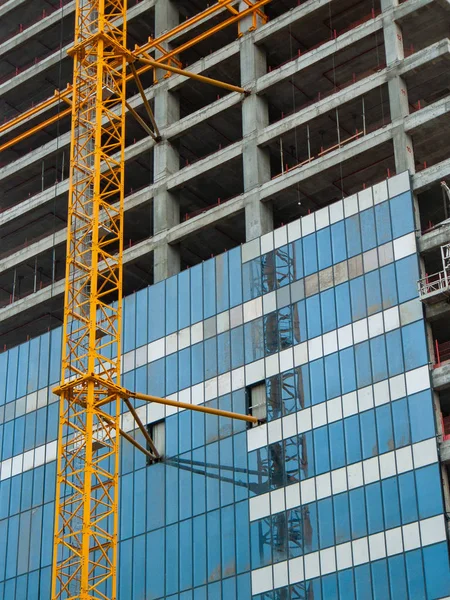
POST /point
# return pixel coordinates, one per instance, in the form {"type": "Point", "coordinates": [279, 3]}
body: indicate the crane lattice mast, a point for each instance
{"type": "Point", "coordinates": [86, 512]}
{"type": "Point", "coordinates": [85, 543]}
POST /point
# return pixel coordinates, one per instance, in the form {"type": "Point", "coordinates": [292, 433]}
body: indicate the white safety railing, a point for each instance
{"type": "Point", "coordinates": [433, 284]}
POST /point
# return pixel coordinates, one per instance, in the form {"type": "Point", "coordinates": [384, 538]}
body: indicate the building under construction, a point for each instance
{"type": "Point", "coordinates": [286, 256]}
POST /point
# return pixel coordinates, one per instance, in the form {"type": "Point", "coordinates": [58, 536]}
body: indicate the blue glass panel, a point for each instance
{"type": "Point", "coordinates": [313, 316]}
{"type": "Point", "coordinates": [11, 374]}
{"type": "Point", "coordinates": [185, 558]}
{"type": "Point", "coordinates": [184, 296]}
{"type": "Point", "coordinates": [358, 513]}
{"type": "Point", "coordinates": [157, 377]}
{"type": "Point", "coordinates": [358, 295]}
{"type": "Point", "coordinates": [171, 373]}
{"type": "Point", "coordinates": [209, 288]}
{"type": "Point", "coordinates": [397, 577]}
{"type": "Point", "coordinates": [394, 352]}
{"type": "Point", "coordinates": [338, 242]}
{"type": "Point", "coordinates": [337, 447]}
{"type": "Point", "coordinates": [353, 232]}
{"type": "Point", "coordinates": [346, 584]}
{"type": "Point", "coordinates": [222, 287]}
{"type": "Point", "coordinates": [33, 370]}
{"type": "Point", "coordinates": [171, 305]}
{"type": "Point", "coordinates": [284, 267]}
{"type": "Point", "coordinates": [196, 293]}
{"type": "Point", "coordinates": [251, 278]}
{"type": "Point", "coordinates": [374, 507]}
{"type": "Point", "coordinates": [213, 545]}
{"type": "Point", "coordinates": [310, 528]}
{"type": "Point", "coordinates": [268, 272]}
{"type": "Point", "coordinates": [379, 360]}
{"type": "Point", "coordinates": [326, 523]}
{"type": "Point", "coordinates": [224, 352]}
{"type": "Point", "coordinates": [310, 254]}
{"type": "Point", "coordinates": [363, 583]}
{"type": "Point", "coordinates": [373, 292]}
{"type": "Point", "coordinates": [317, 381]}
{"type": "Point", "coordinates": [304, 391]}
{"type": "Point", "coordinates": [328, 310]}
{"type": "Point", "coordinates": [242, 537]}
{"type": "Point", "coordinates": [402, 214]}
{"type": "Point", "coordinates": [414, 345]}
{"type": "Point", "coordinates": [383, 223]}
{"type": "Point", "coordinates": [322, 453]}
{"type": "Point", "coordinates": [380, 580]}
{"type": "Point", "coordinates": [363, 366]}
{"type": "Point", "coordinates": [235, 270]}
{"type": "Point", "coordinates": [332, 378]}
{"type": "Point", "coordinates": [296, 252]}
{"type": "Point", "coordinates": [414, 575]}
{"type": "Point", "coordinates": [329, 587]}
{"type": "Point", "coordinates": [429, 491]}
{"type": "Point", "coordinates": [407, 271]}
{"type": "Point", "coordinates": [368, 234]}
{"type": "Point", "coordinates": [129, 323]}
{"type": "Point", "coordinates": [421, 414]}
{"type": "Point", "coordinates": [156, 311]}
{"type": "Point", "coordinates": [285, 328]}
{"type": "Point", "coordinates": [368, 434]}
{"type": "Point", "coordinates": [391, 505]}
{"type": "Point", "coordinates": [347, 368]}
{"type": "Point", "coordinates": [343, 305]}
{"type": "Point", "coordinates": [408, 497]}
{"type": "Point", "coordinates": [352, 439]}
{"type": "Point", "coordinates": [437, 572]}
{"type": "Point", "coordinates": [254, 340]}
{"type": "Point", "coordinates": [324, 248]}
{"type": "Point", "coordinates": [299, 316]}
{"type": "Point", "coordinates": [341, 518]}
{"type": "Point", "coordinates": [384, 429]}
{"type": "Point", "coordinates": [184, 365]}
{"type": "Point", "coordinates": [388, 286]}
{"type": "Point", "coordinates": [142, 317]}
{"type": "Point", "coordinates": [22, 370]}
{"type": "Point", "coordinates": [55, 363]}
{"type": "Point", "coordinates": [237, 347]}
{"type": "Point", "coordinates": [400, 419]}
{"type": "Point", "coordinates": [155, 564]}
{"type": "Point", "coordinates": [210, 357]}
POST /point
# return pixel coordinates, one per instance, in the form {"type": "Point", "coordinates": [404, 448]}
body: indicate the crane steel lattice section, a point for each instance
{"type": "Point", "coordinates": [85, 543]}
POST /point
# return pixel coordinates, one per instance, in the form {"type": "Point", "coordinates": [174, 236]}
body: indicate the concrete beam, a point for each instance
{"type": "Point", "coordinates": [24, 254]}
{"type": "Point", "coordinates": [11, 5]}
{"type": "Point", "coordinates": [432, 111]}
{"type": "Point", "coordinates": [202, 166]}
{"type": "Point", "coordinates": [436, 238]}
{"type": "Point", "coordinates": [437, 311]}
{"type": "Point", "coordinates": [424, 179]}
{"type": "Point", "coordinates": [37, 29]}
{"type": "Point", "coordinates": [309, 59]}
{"type": "Point", "coordinates": [440, 377]}
{"type": "Point", "coordinates": [444, 451]}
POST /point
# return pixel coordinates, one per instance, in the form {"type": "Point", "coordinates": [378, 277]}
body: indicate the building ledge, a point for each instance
{"type": "Point", "coordinates": [441, 377]}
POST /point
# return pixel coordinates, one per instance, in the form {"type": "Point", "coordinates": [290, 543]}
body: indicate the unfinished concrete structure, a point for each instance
{"type": "Point", "coordinates": [343, 95]}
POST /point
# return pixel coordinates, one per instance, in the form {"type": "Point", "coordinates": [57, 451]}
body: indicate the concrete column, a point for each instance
{"type": "Point", "coordinates": [398, 92]}
{"type": "Point", "coordinates": [166, 212]}
{"type": "Point", "coordinates": [255, 116]}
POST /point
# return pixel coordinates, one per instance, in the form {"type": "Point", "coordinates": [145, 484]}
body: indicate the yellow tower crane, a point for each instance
{"type": "Point", "coordinates": [86, 520]}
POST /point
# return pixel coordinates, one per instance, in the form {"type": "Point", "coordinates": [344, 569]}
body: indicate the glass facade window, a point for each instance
{"type": "Point", "coordinates": [337, 496]}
